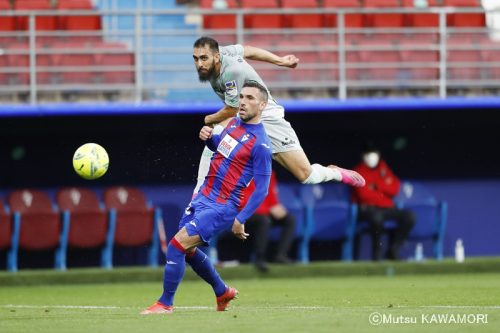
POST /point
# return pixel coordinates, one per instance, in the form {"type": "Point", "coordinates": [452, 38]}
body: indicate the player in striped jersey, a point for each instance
{"type": "Point", "coordinates": [242, 153]}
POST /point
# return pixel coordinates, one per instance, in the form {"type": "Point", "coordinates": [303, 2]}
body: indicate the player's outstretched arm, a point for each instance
{"type": "Point", "coordinates": [223, 114]}
{"type": "Point", "coordinates": [255, 53]}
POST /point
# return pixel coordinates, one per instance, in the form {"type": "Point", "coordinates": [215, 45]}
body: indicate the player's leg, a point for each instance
{"type": "Point", "coordinates": [288, 152]}
{"type": "Point", "coordinates": [287, 223]}
{"type": "Point", "coordinates": [202, 266]}
{"type": "Point", "coordinates": [174, 270]}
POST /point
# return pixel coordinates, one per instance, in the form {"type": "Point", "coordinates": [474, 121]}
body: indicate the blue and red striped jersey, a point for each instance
{"type": "Point", "coordinates": [242, 152]}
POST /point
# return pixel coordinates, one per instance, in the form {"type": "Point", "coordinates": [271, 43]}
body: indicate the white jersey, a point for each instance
{"type": "Point", "coordinates": [233, 74]}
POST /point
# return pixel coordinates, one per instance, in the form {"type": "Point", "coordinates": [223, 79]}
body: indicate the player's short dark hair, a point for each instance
{"type": "Point", "coordinates": [254, 84]}
{"type": "Point", "coordinates": [212, 43]}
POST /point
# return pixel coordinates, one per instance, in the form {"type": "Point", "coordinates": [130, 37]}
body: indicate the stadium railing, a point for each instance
{"type": "Point", "coordinates": [144, 55]}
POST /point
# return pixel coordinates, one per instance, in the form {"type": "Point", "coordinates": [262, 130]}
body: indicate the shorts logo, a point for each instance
{"type": "Point", "coordinates": [287, 142]}
{"type": "Point", "coordinates": [227, 145]}
{"type": "Point", "coordinates": [231, 88]}
{"type": "Point", "coordinates": [193, 223]}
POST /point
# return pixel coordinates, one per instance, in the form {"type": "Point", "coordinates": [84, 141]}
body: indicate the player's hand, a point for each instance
{"type": "Point", "coordinates": [206, 133]}
{"type": "Point", "coordinates": [238, 230]}
{"type": "Point", "coordinates": [290, 61]}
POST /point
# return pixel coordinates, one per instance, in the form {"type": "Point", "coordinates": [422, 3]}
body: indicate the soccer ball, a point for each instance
{"type": "Point", "coordinates": [90, 161]}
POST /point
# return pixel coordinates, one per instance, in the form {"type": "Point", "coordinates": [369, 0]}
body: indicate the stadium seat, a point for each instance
{"type": "Point", "coordinates": [428, 59]}
{"type": "Point", "coordinates": [490, 54]}
{"type": "Point", "coordinates": [73, 60]}
{"type": "Point", "coordinates": [421, 20]}
{"type": "Point", "coordinates": [20, 60]}
{"type": "Point", "coordinates": [6, 23]}
{"type": "Point", "coordinates": [463, 64]}
{"type": "Point", "coordinates": [86, 223]}
{"type": "Point", "coordinates": [77, 22]}
{"type": "Point", "coordinates": [41, 22]}
{"type": "Point", "coordinates": [288, 194]}
{"type": "Point", "coordinates": [329, 216]}
{"type": "Point", "coordinates": [465, 19]}
{"type": "Point", "coordinates": [5, 227]}
{"type": "Point", "coordinates": [114, 54]}
{"type": "Point", "coordinates": [352, 20]}
{"type": "Point", "coordinates": [219, 21]}
{"type": "Point", "coordinates": [384, 60]}
{"type": "Point", "coordinates": [36, 225]}
{"type": "Point", "coordinates": [262, 21]}
{"type": "Point", "coordinates": [302, 20]}
{"type": "Point", "coordinates": [136, 220]}
{"type": "Point", "coordinates": [309, 56]}
{"type": "Point", "coordinates": [430, 213]}
{"type": "Point", "coordinates": [384, 20]}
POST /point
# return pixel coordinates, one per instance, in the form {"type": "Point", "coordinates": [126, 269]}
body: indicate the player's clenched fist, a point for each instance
{"type": "Point", "coordinates": [206, 133]}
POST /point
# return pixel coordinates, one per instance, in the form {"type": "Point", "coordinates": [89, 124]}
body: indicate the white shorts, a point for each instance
{"type": "Point", "coordinates": [281, 135]}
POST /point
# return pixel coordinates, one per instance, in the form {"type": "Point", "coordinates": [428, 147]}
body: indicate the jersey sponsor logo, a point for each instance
{"type": "Point", "coordinates": [227, 145]}
{"type": "Point", "coordinates": [231, 88]}
{"type": "Point", "coordinates": [287, 142]}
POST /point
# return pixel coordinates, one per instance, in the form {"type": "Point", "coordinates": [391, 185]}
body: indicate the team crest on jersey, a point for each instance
{"type": "Point", "coordinates": [231, 88]}
{"type": "Point", "coordinates": [227, 145]}
{"type": "Point", "coordinates": [245, 137]}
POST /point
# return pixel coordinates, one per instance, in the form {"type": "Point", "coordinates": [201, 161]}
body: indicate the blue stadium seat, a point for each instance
{"type": "Point", "coordinates": [430, 213]}
{"type": "Point", "coordinates": [329, 216]}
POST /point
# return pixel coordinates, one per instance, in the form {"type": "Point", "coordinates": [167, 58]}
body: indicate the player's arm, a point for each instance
{"type": "Point", "coordinates": [258, 195]}
{"type": "Point", "coordinates": [225, 113]}
{"type": "Point", "coordinates": [256, 53]}
{"type": "Point", "coordinates": [211, 140]}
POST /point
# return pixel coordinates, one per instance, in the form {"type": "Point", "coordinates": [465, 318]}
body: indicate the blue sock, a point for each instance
{"type": "Point", "coordinates": [204, 268]}
{"type": "Point", "coordinates": [174, 271]}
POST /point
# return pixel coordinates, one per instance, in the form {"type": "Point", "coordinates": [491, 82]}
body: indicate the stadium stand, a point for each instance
{"type": "Point", "coordinates": [329, 216]}
{"type": "Point", "coordinates": [136, 221]}
{"type": "Point", "coordinates": [37, 225]}
{"type": "Point", "coordinates": [86, 222]}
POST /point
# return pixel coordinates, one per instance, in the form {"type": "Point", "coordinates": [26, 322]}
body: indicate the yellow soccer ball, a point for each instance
{"type": "Point", "coordinates": [90, 161]}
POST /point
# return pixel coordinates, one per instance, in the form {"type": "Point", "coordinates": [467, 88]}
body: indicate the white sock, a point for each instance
{"type": "Point", "coordinates": [321, 174]}
{"type": "Point", "coordinates": [205, 159]}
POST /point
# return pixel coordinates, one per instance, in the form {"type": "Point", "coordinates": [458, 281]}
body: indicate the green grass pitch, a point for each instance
{"type": "Point", "coordinates": [323, 304]}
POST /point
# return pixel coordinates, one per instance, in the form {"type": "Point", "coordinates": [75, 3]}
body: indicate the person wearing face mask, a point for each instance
{"type": "Point", "coordinates": [376, 204]}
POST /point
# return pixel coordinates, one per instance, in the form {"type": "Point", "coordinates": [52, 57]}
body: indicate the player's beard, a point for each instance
{"type": "Point", "coordinates": [206, 76]}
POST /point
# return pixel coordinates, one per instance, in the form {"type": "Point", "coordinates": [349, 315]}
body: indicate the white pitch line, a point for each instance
{"type": "Point", "coordinates": [28, 306]}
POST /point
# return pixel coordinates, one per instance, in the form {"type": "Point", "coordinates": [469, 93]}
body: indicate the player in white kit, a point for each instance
{"type": "Point", "coordinates": [226, 69]}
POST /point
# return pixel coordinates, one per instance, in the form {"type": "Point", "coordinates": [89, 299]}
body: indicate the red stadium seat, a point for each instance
{"type": "Point", "coordinates": [384, 20]}
{"type": "Point", "coordinates": [41, 22]}
{"type": "Point", "coordinates": [114, 54]}
{"type": "Point", "coordinates": [465, 19]}
{"type": "Point", "coordinates": [466, 62]}
{"type": "Point", "coordinates": [5, 227]}
{"type": "Point", "coordinates": [36, 223]}
{"type": "Point", "coordinates": [302, 20]}
{"type": "Point", "coordinates": [21, 61]}
{"type": "Point", "coordinates": [490, 54]}
{"type": "Point", "coordinates": [352, 20]}
{"type": "Point", "coordinates": [421, 20]}
{"type": "Point", "coordinates": [77, 22]}
{"type": "Point", "coordinates": [87, 221]}
{"type": "Point", "coordinates": [429, 59]}
{"type": "Point", "coordinates": [262, 21]}
{"type": "Point", "coordinates": [73, 60]}
{"type": "Point", "coordinates": [310, 67]}
{"type": "Point", "coordinates": [219, 21]}
{"type": "Point", "coordinates": [136, 221]}
{"type": "Point", "coordinates": [6, 23]}
{"type": "Point", "coordinates": [378, 57]}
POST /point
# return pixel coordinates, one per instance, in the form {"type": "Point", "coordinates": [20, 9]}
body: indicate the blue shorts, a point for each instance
{"type": "Point", "coordinates": [207, 218]}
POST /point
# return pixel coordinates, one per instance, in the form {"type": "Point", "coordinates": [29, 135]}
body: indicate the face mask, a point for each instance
{"type": "Point", "coordinates": [371, 159]}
